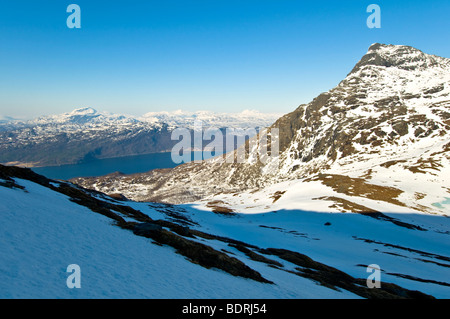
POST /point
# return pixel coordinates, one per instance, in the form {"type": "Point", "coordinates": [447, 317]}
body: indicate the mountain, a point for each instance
{"type": "Point", "coordinates": [377, 142]}
{"type": "Point", "coordinates": [77, 136]}
{"type": "Point", "coordinates": [6, 119]}
{"type": "Point", "coordinates": [85, 134]}
{"type": "Point", "coordinates": [133, 250]}
{"type": "Point", "coordinates": [244, 119]}
{"type": "Point", "coordinates": [359, 188]}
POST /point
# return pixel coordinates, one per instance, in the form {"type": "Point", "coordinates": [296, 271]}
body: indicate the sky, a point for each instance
{"type": "Point", "coordinates": [133, 57]}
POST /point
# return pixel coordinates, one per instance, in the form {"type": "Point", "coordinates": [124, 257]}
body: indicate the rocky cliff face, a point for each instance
{"type": "Point", "coordinates": [386, 124]}
{"type": "Point", "coordinates": [395, 97]}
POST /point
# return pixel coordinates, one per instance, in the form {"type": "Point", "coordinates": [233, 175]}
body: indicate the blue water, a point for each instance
{"type": "Point", "coordinates": [445, 202]}
{"type": "Point", "coordinates": [126, 165]}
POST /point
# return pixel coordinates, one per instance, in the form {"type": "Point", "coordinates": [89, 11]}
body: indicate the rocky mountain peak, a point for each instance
{"type": "Point", "coordinates": [399, 56]}
{"type": "Point", "coordinates": [84, 111]}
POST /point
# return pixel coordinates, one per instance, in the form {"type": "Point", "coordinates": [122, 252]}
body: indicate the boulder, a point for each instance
{"type": "Point", "coordinates": [144, 229]}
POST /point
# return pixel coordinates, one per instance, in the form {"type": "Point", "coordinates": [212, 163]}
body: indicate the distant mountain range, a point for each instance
{"type": "Point", "coordinates": [85, 134]}
{"type": "Point", "coordinates": [244, 119]}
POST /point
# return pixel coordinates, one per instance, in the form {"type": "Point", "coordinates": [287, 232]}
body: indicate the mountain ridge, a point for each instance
{"type": "Point", "coordinates": [388, 117]}
{"type": "Point", "coordinates": [85, 134]}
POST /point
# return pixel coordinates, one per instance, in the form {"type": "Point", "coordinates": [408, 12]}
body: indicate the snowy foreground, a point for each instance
{"type": "Point", "coordinates": [43, 231]}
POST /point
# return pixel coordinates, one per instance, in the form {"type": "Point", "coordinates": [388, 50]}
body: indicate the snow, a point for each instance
{"type": "Point", "coordinates": [42, 232]}
{"type": "Point", "coordinates": [88, 124]}
{"type": "Point", "coordinates": [6, 119]}
{"type": "Point", "coordinates": [184, 119]}
{"type": "Point", "coordinates": [84, 111]}
{"type": "Point", "coordinates": [337, 245]}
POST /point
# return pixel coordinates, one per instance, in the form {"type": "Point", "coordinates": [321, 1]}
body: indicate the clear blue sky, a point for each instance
{"type": "Point", "coordinates": [137, 56]}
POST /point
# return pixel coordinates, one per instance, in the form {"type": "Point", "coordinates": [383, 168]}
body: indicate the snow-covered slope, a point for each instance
{"type": "Point", "coordinates": [48, 225]}
{"type": "Point", "coordinates": [380, 139]}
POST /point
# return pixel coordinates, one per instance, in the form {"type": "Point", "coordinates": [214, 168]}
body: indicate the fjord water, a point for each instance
{"type": "Point", "coordinates": [100, 167]}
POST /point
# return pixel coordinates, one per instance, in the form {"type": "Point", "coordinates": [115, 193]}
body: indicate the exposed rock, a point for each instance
{"type": "Point", "coordinates": [144, 229]}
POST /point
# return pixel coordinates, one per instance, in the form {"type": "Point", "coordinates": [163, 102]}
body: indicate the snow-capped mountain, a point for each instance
{"type": "Point", "coordinates": [148, 250]}
{"type": "Point", "coordinates": [379, 141]}
{"type": "Point", "coordinates": [83, 116]}
{"type": "Point", "coordinates": [244, 119]}
{"type": "Point", "coordinates": [6, 119]}
{"type": "Point", "coordinates": [77, 136]}
{"type": "Point", "coordinates": [85, 134]}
